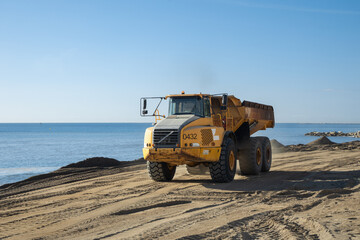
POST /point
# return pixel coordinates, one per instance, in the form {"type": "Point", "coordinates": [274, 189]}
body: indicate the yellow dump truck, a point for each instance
{"type": "Point", "coordinates": [208, 133]}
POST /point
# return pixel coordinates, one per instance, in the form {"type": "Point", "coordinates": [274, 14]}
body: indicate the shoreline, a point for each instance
{"type": "Point", "coordinates": [277, 147]}
{"type": "Point", "coordinates": [55, 149]}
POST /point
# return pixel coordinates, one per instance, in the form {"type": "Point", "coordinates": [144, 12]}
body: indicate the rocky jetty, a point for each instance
{"type": "Point", "coordinates": [334, 134]}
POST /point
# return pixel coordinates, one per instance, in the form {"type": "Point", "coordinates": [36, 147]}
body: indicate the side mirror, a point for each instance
{"type": "Point", "coordinates": [144, 104]}
{"type": "Point", "coordinates": [224, 102]}
{"type": "Point", "coordinates": [144, 111]}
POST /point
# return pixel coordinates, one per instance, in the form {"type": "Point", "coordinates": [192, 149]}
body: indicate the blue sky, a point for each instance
{"type": "Point", "coordinates": [91, 61]}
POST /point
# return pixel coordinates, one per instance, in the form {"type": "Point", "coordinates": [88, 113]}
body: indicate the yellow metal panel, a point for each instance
{"type": "Point", "coordinates": [148, 136]}
{"type": "Point", "coordinates": [202, 136]}
{"type": "Point", "coordinates": [146, 153]}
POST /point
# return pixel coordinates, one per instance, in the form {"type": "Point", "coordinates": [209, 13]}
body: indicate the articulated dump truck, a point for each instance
{"type": "Point", "coordinates": [208, 133]}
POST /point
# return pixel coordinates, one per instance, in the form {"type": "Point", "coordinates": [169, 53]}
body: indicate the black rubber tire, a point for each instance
{"type": "Point", "coordinates": [267, 154]}
{"type": "Point", "coordinates": [200, 169]}
{"type": "Point", "coordinates": [220, 171]}
{"type": "Point", "coordinates": [160, 171]}
{"type": "Point", "coordinates": [249, 159]}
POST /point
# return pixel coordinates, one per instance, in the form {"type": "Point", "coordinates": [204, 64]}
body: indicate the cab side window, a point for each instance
{"type": "Point", "coordinates": [207, 112]}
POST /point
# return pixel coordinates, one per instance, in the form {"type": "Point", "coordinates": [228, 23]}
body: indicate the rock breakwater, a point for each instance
{"type": "Point", "coordinates": [334, 134]}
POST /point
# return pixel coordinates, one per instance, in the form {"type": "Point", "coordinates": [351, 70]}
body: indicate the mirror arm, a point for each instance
{"type": "Point", "coordinates": [157, 106]}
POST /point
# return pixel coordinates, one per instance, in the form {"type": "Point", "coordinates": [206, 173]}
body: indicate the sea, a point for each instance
{"type": "Point", "coordinates": [28, 149]}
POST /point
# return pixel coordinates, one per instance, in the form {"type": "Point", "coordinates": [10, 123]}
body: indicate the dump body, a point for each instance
{"type": "Point", "coordinates": [194, 138]}
{"type": "Point", "coordinates": [258, 116]}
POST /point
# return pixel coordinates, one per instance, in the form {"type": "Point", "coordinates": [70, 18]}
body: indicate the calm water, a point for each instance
{"type": "Point", "coordinates": [30, 149]}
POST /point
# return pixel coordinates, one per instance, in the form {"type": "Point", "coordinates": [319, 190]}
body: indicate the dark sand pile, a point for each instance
{"type": "Point", "coordinates": [321, 141]}
{"type": "Point", "coordinates": [95, 162]}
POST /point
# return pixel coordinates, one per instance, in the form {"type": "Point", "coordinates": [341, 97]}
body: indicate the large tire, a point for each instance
{"type": "Point", "coordinates": [250, 159]}
{"type": "Point", "coordinates": [224, 169]}
{"type": "Point", "coordinates": [160, 171]}
{"type": "Point", "coordinates": [267, 154]}
{"type": "Point", "coordinates": [200, 169]}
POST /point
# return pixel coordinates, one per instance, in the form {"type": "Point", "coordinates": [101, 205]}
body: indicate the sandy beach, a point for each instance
{"type": "Point", "coordinates": [311, 192]}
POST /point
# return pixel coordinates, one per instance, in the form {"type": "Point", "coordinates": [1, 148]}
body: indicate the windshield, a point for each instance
{"type": "Point", "coordinates": [186, 105]}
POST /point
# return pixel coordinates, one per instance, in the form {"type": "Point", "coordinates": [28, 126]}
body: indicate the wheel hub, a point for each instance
{"type": "Point", "coordinates": [258, 156]}
{"type": "Point", "coordinates": [231, 161]}
{"type": "Point", "coordinates": [268, 155]}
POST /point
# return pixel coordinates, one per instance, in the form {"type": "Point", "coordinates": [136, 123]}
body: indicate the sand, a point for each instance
{"type": "Point", "coordinates": [308, 194]}
{"type": "Point", "coordinates": [321, 141]}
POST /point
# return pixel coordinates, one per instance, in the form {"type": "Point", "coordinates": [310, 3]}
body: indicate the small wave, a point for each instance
{"type": "Point", "coordinates": [10, 175]}
{"type": "Point", "coordinates": [16, 171]}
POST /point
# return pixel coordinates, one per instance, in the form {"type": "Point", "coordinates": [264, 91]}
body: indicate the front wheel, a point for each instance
{"type": "Point", "coordinates": [224, 169]}
{"type": "Point", "coordinates": [160, 171]}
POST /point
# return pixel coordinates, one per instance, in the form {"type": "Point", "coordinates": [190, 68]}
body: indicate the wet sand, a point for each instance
{"type": "Point", "coordinates": [311, 192]}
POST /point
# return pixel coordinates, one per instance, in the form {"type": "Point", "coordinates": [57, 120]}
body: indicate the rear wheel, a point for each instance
{"type": "Point", "coordinates": [160, 171]}
{"type": "Point", "coordinates": [267, 154]}
{"type": "Point", "coordinates": [251, 158]}
{"type": "Point", "coordinates": [224, 169]}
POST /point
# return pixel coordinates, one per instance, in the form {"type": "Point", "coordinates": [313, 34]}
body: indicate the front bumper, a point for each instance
{"type": "Point", "coordinates": [179, 156]}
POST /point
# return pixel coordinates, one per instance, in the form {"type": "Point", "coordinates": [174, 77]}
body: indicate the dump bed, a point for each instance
{"type": "Point", "coordinates": [259, 116]}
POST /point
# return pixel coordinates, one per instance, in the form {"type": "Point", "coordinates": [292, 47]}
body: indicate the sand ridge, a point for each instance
{"type": "Point", "coordinates": [306, 195]}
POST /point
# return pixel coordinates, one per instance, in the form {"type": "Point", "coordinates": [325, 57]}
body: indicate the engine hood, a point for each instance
{"type": "Point", "coordinates": [175, 122]}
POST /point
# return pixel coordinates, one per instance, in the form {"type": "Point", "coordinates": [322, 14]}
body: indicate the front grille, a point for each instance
{"type": "Point", "coordinates": [206, 136]}
{"type": "Point", "coordinates": [170, 141]}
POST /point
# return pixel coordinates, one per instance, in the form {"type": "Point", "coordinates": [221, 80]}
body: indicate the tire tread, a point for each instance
{"type": "Point", "coordinates": [219, 170]}
{"type": "Point", "coordinates": [159, 171]}
{"type": "Point", "coordinates": [247, 159]}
